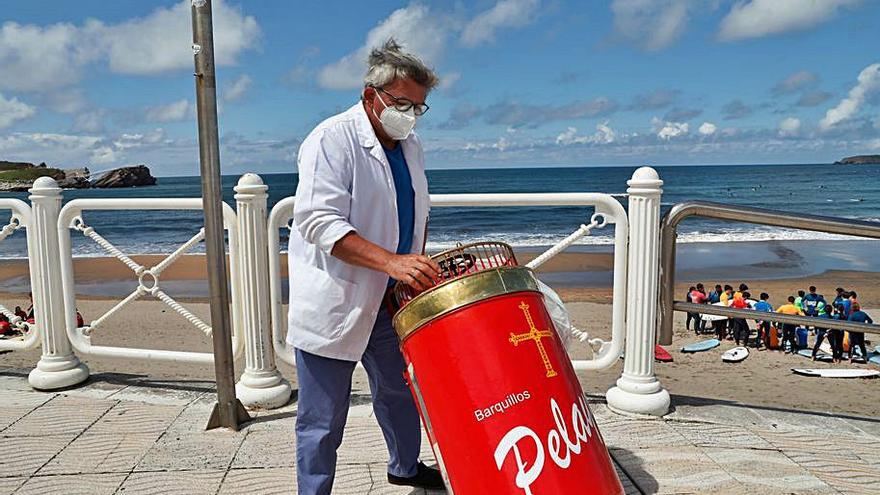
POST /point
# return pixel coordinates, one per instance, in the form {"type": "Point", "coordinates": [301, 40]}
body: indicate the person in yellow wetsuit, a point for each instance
{"type": "Point", "coordinates": [788, 330]}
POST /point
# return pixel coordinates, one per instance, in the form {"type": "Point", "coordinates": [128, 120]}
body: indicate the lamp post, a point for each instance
{"type": "Point", "coordinates": [228, 411]}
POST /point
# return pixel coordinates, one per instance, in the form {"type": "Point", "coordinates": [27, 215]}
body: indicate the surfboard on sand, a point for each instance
{"type": "Point", "coordinates": [820, 356]}
{"type": "Point", "coordinates": [837, 372]}
{"type": "Point", "coordinates": [735, 355]}
{"type": "Point", "coordinates": [703, 345]}
{"type": "Point", "coordinates": [661, 355]}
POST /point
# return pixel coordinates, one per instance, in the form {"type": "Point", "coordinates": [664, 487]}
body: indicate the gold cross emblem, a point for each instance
{"type": "Point", "coordinates": [536, 335]}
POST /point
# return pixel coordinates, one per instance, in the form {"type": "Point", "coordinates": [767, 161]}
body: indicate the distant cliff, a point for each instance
{"type": "Point", "coordinates": [20, 176]}
{"type": "Point", "coordinates": [136, 176]}
{"type": "Point", "coordinates": [859, 160]}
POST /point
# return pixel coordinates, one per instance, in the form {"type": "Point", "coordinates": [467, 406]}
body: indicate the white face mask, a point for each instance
{"type": "Point", "coordinates": [398, 125]}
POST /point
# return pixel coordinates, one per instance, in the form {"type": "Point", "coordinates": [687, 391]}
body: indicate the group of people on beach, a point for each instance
{"type": "Point", "coordinates": [845, 306]}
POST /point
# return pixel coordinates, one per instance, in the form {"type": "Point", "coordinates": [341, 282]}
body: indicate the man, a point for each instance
{"type": "Point", "coordinates": [691, 316]}
{"type": "Point", "coordinates": [799, 300]}
{"type": "Point", "coordinates": [726, 299]}
{"type": "Point", "coordinates": [788, 329]}
{"type": "Point", "coordinates": [857, 339]}
{"type": "Point", "coordinates": [361, 210]}
{"type": "Point", "coordinates": [698, 296]}
{"type": "Point", "coordinates": [764, 327]}
{"type": "Point", "coordinates": [812, 301]}
{"type": "Point", "coordinates": [826, 314]}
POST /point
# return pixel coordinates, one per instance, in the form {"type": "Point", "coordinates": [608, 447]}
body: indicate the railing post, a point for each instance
{"type": "Point", "coordinates": [261, 384]}
{"type": "Point", "coordinates": [58, 366]}
{"type": "Point", "coordinates": [638, 391]}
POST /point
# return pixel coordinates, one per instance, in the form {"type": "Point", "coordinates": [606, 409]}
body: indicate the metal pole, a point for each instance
{"type": "Point", "coordinates": [228, 411]}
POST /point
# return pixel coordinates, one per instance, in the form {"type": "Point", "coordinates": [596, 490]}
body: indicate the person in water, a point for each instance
{"type": "Point", "coordinates": [788, 329]}
{"type": "Point", "coordinates": [858, 338]}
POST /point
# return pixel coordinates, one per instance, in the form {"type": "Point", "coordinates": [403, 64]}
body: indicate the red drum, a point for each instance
{"type": "Point", "coordinates": [499, 398]}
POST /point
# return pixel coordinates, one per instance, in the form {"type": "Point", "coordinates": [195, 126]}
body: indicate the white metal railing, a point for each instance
{"type": "Point", "coordinates": [20, 219]}
{"type": "Point", "coordinates": [607, 211]}
{"type": "Point", "coordinates": [255, 272]}
{"type": "Point", "coordinates": [148, 278]}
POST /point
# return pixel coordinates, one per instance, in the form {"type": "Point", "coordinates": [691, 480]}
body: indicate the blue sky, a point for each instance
{"type": "Point", "coordinates": [524, 82]}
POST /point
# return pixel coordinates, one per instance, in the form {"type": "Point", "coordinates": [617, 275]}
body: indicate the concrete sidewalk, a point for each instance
{"type": "Point", "coordinates": [124, 434]}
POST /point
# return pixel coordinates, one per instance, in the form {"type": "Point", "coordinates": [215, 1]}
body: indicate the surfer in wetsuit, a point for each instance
{"type": "Point", "coordinates": [787, 328]}
{"type": "Point", "coordinates": [824, 312]}
{"type": "Point", "coordinates": [763, 325]}
{"type": "Point", "coordinates": [858, 338]}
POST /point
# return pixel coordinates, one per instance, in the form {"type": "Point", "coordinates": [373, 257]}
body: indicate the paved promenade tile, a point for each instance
{"type": "Point", "coordinates": [128, 435]}
{"type": "Point", "coordinates": [82, 484]}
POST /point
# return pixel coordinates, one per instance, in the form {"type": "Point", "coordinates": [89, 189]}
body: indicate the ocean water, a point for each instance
{"type": "Point", "coordinates": [832, 190]}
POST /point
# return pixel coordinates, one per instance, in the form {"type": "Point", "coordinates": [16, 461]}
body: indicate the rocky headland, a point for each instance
{"type": "Point", "coordinates": [19, 176]}
{"type": "Point", "coordinates": [859, 160]}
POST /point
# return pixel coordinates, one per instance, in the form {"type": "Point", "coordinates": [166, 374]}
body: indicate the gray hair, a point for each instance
{"type": "Point", "coordinates": [390, 62]}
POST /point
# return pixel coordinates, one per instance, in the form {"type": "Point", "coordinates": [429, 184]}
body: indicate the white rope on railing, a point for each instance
{"type": "Point", "coordinates": [110, 248]}
{"type": "Point", "coordinates": [141, 271]}
{"type": "Point", "coordinates": [199, 237]}
{"type": "Point", "coordinates": [562, 245]}
{"type": "Point", "coordinates": [9, 228]}
{"type": "Point", "coordinates": [16, 321]}
{"type": "Point", "coordinates": [596, 221]}
{"type": "Point", "coordinates": [140, 291]}
{"type": "Point", "coordinates": [195, 320]}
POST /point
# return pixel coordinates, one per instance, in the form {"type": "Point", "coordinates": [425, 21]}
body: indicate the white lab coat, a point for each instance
{"type": "Point", "coordinates": [345, 184]}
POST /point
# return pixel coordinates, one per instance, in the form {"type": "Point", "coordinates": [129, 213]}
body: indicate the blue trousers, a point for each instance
{"type": "Point", "coordinates": [322, 409]}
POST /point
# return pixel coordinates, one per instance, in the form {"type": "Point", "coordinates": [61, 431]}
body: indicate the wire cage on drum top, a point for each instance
{"type": "Point", "coordinates": [461, 261]}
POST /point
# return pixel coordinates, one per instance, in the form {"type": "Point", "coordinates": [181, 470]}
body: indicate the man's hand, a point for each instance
{"type": "Point", "coordinates": [413, 269]}
{"type": "Point", "coordinates": [416, 270]}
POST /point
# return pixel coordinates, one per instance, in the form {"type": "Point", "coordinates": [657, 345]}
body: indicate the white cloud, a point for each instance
{"type": "Point", "coordinates": [13, 110]}
{"type": "Point", "coordinates": [651, 24]}
{"type": "Point", "coordinates": [707, 128]}
{"type": "Point", "coordinates": [789, 127]}
{"type": "Point", "coordinates": [502, 144]}
{"type": "Point", "coordinates": [757, 18]}
{"type": "Point", "coordinates": [90, 120]}
{"type": "Point", "coordinates": [46, 58]}
{"type": "Point", "coordinates": [237, 88]}
{"type": "Point", "coordinates": [505, 13]}
{"type": "Point", "coordinates": [868, 83]}
{"type": "Point", "coordinates": [413, 26]}
{"type": "Point", "coordinates": [162, 40]}
{"type": "Point", "coordinates": [172, 112]}
{"type": "Point", "coordinates": [422, 32]}
{"type": "Point", "coordinates": [604, 135]}
{"type": "Point", "coordinates": [668, 130]}
{"type": "Point", "coordinates": [42, 58]}
{"type": "Point", "coordinates": [448, 80]}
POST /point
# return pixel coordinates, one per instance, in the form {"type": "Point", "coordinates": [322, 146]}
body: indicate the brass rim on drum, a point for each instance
{"type": "Point", "coordinates": [460, 292]}
{"type": "Point", "coordinates": [490, 251]}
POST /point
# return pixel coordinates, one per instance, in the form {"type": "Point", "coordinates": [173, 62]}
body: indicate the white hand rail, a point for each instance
{"type": "Point", "coordinates": [21, 218]}
{"type": "Point", "coordinates": [605, 206]}
{"type": "Point", "coordinates": [71, 218]}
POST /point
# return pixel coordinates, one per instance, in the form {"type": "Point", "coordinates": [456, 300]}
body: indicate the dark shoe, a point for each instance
{"type": "Point", "coordinates": [426, 477]}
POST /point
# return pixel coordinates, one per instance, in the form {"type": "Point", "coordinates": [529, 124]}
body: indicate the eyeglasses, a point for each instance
{"type": "Point", "coordinates": [404, 104]}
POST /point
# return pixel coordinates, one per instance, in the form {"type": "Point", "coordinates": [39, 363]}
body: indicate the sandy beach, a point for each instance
{"type": "Point", "coordinates": [764, 379]}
